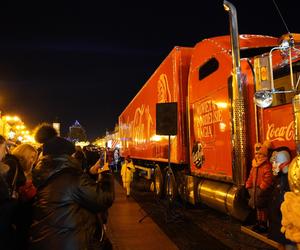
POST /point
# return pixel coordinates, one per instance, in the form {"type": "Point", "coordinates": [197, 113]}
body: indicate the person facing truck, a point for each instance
{"type": "Point", "coordinates": [68, 200]}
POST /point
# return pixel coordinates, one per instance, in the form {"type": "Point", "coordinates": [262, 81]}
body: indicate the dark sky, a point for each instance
{"type": "Point", "coordinates": [85, 61]}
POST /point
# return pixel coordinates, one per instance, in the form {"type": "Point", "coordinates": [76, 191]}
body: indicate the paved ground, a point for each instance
{"type": "Point", "coordinates": [127, 232]}
{"type": "Point", "coordinates": [195, 227]}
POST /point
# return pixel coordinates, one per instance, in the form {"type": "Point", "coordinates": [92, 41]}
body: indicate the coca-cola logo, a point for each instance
{"type": "Point", "coordinates": [283, 133]}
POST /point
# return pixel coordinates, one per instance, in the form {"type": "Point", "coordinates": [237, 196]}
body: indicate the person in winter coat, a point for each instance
{"type": "Point", "coordinates": [68, 200]}
{"type": "Point", "coordinates": [15, 217]}
{"type": "Point", "coordinates": [116, 159]}
{"type": "Point", "coordinates": [22, 158]}
{"type": "Point", "coordinates": [259, 185]}
{"type": "Point", "coordinates": [110, 157]}
{"type": "Point", "coordinates": [7, 212]}
{"type": "Point", "coordinates": [127, 171]}
{"type": "Point", "coordinates": [7, 205]}
{"type": "Point", "coordinates": [80, 157]}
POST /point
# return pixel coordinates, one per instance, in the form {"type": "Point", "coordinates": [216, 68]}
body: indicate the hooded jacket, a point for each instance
{"type": "Point", "coordinates": [66, 205]}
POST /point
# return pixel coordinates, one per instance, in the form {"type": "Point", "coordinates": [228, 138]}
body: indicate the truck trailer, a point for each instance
{"type": "Point", "coordinates": [230, 92]}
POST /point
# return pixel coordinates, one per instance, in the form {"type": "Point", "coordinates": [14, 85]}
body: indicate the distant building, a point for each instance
{"type": "Point", "coordinates": [77, 132]}
{"type": "Point", "coordinates": [56, 126]}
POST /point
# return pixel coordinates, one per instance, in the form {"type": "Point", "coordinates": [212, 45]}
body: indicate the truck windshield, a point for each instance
{"type": "Point", "coordinates": [252, 52]}
{"type": "Point", "coordinates": [282, 82]}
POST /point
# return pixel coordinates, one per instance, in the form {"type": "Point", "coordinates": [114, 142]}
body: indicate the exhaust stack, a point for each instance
{"type": "Point", "coordinates": [238, 103]}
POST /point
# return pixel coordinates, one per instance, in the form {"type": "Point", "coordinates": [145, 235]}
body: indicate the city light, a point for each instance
{"type": "Point", "coordinates": [13, 128]}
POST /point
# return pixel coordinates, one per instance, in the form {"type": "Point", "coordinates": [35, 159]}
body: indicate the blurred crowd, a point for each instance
{"type": "Point", "coordinates": [56, 195]}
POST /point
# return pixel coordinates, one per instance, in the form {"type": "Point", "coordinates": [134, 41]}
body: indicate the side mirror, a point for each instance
{"type": "Point", "coordinates": [263, 98]}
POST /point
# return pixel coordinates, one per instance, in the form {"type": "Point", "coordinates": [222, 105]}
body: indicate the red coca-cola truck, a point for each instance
{"type": "Point", "coordinates": [230, 92]}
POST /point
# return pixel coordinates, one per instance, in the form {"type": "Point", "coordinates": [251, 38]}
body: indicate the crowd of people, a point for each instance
{"type": "Point", "coordinates": [267, 185]}
{"type": "Point", "coordinates": [55, 196]}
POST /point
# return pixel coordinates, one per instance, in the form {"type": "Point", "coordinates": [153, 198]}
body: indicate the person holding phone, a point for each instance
{"type": "Point", "coordinates": [68, 201]}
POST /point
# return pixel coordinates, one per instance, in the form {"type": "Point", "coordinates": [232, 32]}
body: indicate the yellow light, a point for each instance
{"type": "Point", "coordinates": [11, 134]}
{"type": "Point", "coordinates": [222, 105]}
{"type": "Point", "coordinates": [264, 73]}
{"type": "Point", "coordinates": [12, 118]}
{"type": "Point", "coordinates": [16, 118]}
{"type": "Point", "coordinates": [82, 143]}
{"type": "Point", "coordinates": [222, 126]}
{"type": "Point", "coordinates": [29, 138]}
{"type": "Point", "coordinates": [158, 138]}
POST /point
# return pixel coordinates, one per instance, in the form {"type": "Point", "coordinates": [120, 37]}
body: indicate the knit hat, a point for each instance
{"type": "Point", "coordinates": [53, 144]}
{"type": "Point", "coordinates": [58, 146]}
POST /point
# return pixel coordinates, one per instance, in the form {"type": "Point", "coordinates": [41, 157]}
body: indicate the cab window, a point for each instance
{"type": "Point", "coordinates": [208, 68]}
{"type": "Point", "coordinates": [282, 82]}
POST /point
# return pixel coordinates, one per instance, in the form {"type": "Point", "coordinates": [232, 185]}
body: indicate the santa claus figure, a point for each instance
{"type": "Point", "coordinates": [259, 185]}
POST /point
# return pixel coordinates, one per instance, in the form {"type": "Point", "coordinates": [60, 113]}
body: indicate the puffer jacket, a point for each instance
{"type": "Point", "coordinates": [66, 205]}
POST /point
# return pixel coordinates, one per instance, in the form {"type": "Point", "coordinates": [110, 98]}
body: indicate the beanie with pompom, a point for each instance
{"type": "Point", "coordinates": [53, 144]}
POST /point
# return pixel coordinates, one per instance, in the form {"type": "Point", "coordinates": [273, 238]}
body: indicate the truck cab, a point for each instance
{"type": "Point", "coordinates": [211, 103]}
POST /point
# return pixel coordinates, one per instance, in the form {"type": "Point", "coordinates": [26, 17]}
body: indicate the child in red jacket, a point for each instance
{"type": "Point", "coordinates": [258, 185]}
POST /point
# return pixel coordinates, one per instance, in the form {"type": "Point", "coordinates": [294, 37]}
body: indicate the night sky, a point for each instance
{"type": "Point", "coordinates": [84, 61]}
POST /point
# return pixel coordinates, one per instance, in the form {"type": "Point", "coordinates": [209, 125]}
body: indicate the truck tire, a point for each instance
{"type": "Point", "coordinates": [170, 185]}
{"type": "Point", "coordinates": [158, 182]}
